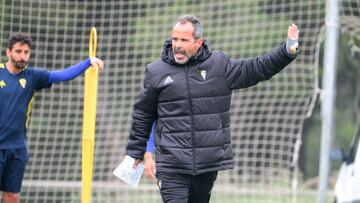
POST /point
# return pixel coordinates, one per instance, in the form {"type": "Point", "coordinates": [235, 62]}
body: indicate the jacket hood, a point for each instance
{"type": "Point", "coordinates": [168, 57]}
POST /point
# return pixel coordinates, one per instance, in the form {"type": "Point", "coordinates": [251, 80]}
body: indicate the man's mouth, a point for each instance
{"type": "Point", "coordinates": [180, 53]}
{"type": "Point", "coordinates": [20, 64]}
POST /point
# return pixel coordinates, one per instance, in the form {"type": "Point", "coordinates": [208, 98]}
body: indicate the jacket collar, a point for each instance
{"type": "Point", "coordinates": [168, 57]}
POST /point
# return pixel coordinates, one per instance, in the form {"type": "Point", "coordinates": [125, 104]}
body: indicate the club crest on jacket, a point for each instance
{"type": "Point", "coordinates": [203, 73]}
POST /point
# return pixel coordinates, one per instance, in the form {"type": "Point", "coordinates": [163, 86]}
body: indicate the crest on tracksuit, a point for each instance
{"type": "Point", "coordinates": [203, 73]}
{"type": "Point", "coordinates": [22, 82]}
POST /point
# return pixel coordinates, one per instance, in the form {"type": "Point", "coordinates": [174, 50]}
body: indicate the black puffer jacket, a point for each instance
{"type": "Point", "coordinates": [191, 103]}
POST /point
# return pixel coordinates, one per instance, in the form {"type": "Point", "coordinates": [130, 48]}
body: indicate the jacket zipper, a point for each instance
{"type": "Point", "coordinates": [191, 117]}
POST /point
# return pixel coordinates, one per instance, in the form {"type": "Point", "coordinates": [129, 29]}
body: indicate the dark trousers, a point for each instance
{"type": "Point", "coordinates": [180, 188]}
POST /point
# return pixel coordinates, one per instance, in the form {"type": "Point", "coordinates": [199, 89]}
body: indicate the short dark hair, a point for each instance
{"type": "Point", "coordinates": [198, 30]}
{"type": "Point", "coordinates": [23, 38]}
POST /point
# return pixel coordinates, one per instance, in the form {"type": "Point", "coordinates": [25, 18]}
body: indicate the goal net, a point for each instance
{"type": "Point", "coordinates": [266, 120]}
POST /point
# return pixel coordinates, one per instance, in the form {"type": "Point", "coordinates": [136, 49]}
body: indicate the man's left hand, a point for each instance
{"type": "Point", "coordinates": [293, 35]}
{"type": "Point", "coordinates": [293, 32]}
{"type": "Point", "coordinates": [97, 63]}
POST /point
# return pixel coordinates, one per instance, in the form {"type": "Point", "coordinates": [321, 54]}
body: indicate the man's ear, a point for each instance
{"type": "Point", "coordinates": [199, 42]}
{"type": "Point", "coordinates": [8, 52]}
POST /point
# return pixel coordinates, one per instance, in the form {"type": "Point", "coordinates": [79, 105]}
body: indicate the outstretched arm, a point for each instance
{"type": "Point", "coordinates": [249, 72]}
{"type": "Point", "coordinates": [73, 71]}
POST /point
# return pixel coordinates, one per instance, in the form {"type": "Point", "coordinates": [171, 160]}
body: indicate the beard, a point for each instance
{"type": "Point", "coordinates": [182, 52]}
{"type": "Point", "coordinates": [20, 65]}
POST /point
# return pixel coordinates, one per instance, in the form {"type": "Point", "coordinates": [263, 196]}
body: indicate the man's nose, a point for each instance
{"type": "Point", "coordinates": [178, 44]}
{"type": "Point", "coordinates": [23, 56]}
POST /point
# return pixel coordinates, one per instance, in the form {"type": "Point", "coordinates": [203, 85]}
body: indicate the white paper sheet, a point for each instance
{"type": "Point", "coordinates": [126, 172]}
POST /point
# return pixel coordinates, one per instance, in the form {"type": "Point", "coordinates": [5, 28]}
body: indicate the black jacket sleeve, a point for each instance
{"type": "Point", "coordinates": [249, 72]}
{"type": "Point", "coordinates": [143, 116]}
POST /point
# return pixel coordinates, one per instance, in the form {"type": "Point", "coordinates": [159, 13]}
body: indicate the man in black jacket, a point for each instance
{"type": "Point", "coordinates": [188, 91]}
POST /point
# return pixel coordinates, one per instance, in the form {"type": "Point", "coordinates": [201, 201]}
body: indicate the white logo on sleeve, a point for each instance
{"type": "Point", "coordinates": [168, 80]}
